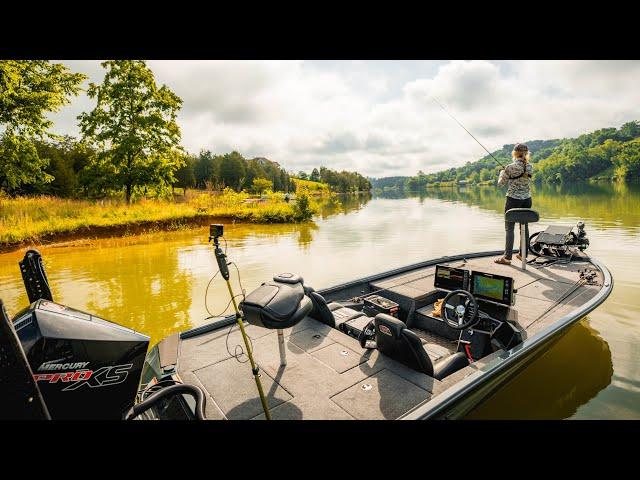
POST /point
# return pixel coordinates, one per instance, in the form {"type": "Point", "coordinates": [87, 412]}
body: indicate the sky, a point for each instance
{"type": "Point", "coordinates": [379, 117]}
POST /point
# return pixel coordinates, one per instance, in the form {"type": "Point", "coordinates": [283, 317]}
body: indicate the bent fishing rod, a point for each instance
{"type": "Point", "coordinates": [465, 129]}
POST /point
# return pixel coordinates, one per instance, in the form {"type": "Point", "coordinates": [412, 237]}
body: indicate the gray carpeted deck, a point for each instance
{"type": "Point", "coordinates": [328, 374]}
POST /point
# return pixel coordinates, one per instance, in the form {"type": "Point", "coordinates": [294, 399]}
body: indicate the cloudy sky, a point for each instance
{"type": "Point", "coordinates": [377, 117]}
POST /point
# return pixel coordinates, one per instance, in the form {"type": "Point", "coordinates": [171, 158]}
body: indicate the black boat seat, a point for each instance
{"type": "Point", "coordinates": [278, 304]}
{"type": "Point", "coordinates": [333, 314]}
{"type": "Point", "coordinates": [396, 341]}
{"type": "Point", "coordinates": [521, 215]}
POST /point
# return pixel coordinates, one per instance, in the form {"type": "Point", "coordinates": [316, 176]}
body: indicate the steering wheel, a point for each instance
{"type": "Point", "coordinates": [460, 309]}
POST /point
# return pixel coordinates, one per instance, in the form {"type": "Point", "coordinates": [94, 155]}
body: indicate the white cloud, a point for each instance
{"type": "Point", "coordinates": [377, 117]}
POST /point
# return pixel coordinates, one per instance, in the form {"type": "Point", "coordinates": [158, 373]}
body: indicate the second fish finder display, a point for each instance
{"type": "Point", "coordinates": [449, 278]}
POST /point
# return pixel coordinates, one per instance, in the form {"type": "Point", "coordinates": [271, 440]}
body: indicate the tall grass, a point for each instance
{"type": "Point", "coordinates": [32, 218]}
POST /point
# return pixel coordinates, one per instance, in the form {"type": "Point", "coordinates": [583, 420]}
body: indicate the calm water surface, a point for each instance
{"type": "Point", "coordinates": [156, 283]}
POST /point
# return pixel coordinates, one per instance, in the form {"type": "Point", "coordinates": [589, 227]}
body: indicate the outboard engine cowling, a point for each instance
{"type": "Point", "coordinates": [85, 366]}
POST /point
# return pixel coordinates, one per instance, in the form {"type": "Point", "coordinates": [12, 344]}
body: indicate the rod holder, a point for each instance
{"type": "Point", "coordinates": [283, 350]}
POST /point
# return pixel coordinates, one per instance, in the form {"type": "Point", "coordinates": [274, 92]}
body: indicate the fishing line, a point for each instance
{"type": "Point", "coordinates": [465, 129]}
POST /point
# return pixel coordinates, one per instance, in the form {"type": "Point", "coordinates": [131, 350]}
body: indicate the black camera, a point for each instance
{"type": "Point", "coordinates": [216, 230]}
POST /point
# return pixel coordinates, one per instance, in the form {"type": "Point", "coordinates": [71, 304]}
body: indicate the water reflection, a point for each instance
{"type": "Point", "coordinates": [555, 385]}
{"type": "Point", "coordinates": [609, 204]}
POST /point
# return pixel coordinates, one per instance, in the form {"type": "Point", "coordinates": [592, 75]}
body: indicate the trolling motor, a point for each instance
{"type": "Point", "coordinates": [559, 241]}
{"type": "Point", "coordinates": [215, 232]}
{"type": "Point", "coordinates": [34, 276]}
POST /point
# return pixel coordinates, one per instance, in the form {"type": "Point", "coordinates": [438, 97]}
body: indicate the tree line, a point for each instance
{"type": "Point", "coordinates": [341, 182]}
{"type": "Point", "coordinates": [130, 142]}
{"type": "Point", "coordinates": [604, 153]}
{"type": "Point", "coordinates": [256, 175]}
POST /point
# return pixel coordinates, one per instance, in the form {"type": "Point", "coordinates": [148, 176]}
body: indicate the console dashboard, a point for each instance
{"type": "Point", "coordinates": [487, 287]}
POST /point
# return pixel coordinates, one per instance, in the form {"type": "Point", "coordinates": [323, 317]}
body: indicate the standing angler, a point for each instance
{"type": "Point", "coordinates": [518, 177]}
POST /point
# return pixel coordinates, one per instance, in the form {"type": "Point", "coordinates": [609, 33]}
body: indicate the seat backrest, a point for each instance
{"type": "Point", "coordinates": [320, 309]}
{"type": "Point", "coordinates": [521, 215]}
{"type": "Point", "coordinates": [396, 341]}
{"type": "Point", "coordinates": [21, 398]}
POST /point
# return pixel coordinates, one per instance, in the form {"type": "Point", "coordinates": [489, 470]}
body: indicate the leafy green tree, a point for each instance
{"type": "Point", "coordinates": [629, 131]}
{"type": "Point", "coordinates": [29, 90]}
{"type": "Point", "coordinates": [185, 176]}
{"type": "Point", "coordinates": [133, 127]}
{"type": "Point", "coordinates": [261, 185]}
{"type": "Point", "coordinates": [303, 175]}
{"type": "Point", "coordinates": [233, 170]}
{"type": "Point", "coordinates": [485, 174]}
{"type": "Point", "coordinates": [206, 168]}
{"type": "Point", "coordinates": [315, 175]}
{"type": "Point", "coordinates": [627, 161]}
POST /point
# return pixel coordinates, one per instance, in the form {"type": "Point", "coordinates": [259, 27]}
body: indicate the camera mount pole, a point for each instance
{"type": "Point", "coordinates": [224, 271]}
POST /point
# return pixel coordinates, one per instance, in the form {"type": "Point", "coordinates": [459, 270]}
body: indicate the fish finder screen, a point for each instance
{"type": "Point", "coordinates": [491, 287]}
{"type": "Point", "coordinates": [449, 278]}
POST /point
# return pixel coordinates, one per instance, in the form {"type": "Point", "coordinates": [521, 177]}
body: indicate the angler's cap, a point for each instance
{"type": "Point", "coordinates": [521, 147]}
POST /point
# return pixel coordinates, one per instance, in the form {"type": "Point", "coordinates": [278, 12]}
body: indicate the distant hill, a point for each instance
{"type": "Point", "coordinates": [387, 183]}
{"type": "Point", "coordinates": [605, 153]}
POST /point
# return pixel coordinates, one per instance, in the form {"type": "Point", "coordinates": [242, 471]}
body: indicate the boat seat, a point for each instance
{"type": "Point", "coordinates": [521, 215]}
{"type": "Point", "coordinates": [278, 304]}
{"type": "Point", "coordinates": [333, 313]}
{"type": "Point", "coordinates": [396, 341]}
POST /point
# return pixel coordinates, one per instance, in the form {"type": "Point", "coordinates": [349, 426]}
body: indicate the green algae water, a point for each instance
{"type": "Point", "coordinates": [156, 283]}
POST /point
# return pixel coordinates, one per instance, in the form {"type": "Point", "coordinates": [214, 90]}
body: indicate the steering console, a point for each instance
{"type": "Point", "coordinates": [460, 309]}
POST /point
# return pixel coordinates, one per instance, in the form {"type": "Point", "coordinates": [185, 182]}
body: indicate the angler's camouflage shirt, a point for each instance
{"type": "Point", "coordinates": [519, 188]}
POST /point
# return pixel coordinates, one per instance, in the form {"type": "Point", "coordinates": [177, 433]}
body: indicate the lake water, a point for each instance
{"type": "Point", "coordinates": [156, 283]}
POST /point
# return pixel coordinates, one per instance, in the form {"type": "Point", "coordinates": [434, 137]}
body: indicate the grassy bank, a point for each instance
{"type": "Point", "coordinates": [33, 219]}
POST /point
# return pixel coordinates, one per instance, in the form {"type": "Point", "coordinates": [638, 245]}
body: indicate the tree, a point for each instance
{"type": "Point", "coordinates": [315, 175]}
{"type": "Point", "coordinates": [29, 90]}
{"type": "Point", "coordinates": [185, 176]}
{"type": "Point", "coordinates": [630, 130]}
{"type": "Point", "coordinates": [232, 170]}
{"type": "Point", "coordinates": [260, 185]}
{"type": "Point", "coordinates": [302, 175]}
{"type": "Point", "coordinates": [133, 127]}
{"type": "Point", "coordinates": [205, 168]}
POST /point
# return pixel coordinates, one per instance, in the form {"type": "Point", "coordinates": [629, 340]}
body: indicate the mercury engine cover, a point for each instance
{"type": "Point", "coordinates": [85, 367]}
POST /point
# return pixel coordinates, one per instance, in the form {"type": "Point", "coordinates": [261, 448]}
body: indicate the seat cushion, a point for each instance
{"type": "Point", "coordinates": [276, 305]}
{"type": "Point", "coordinates": [521, 215]}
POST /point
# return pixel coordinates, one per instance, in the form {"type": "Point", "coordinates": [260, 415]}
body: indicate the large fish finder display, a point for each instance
{"type": "Point", "coordinates": [449, 278]}
{"type": "Point", "coordinates": [493, 288]}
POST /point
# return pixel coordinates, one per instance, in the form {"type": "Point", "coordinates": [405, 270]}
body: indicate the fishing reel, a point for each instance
{"type": "Point", "coordinates": [582, 242]}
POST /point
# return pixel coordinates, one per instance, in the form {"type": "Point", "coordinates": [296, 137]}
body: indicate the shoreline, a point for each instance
{"type": "Point", "coordinates": [120, 231]}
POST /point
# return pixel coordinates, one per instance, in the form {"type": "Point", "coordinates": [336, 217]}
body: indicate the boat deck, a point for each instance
{"type": "Point", "coordinates": [329, 376]}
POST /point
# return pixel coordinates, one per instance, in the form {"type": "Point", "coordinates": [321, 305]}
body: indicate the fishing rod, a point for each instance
{"type": "Point", "coordinates": [465, 129]}
{"type": "Point", "coordinates": [587, 277]}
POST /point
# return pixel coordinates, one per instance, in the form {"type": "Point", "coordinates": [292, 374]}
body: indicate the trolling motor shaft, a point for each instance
{"type": "Point", "coordinates": [216, 231]}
